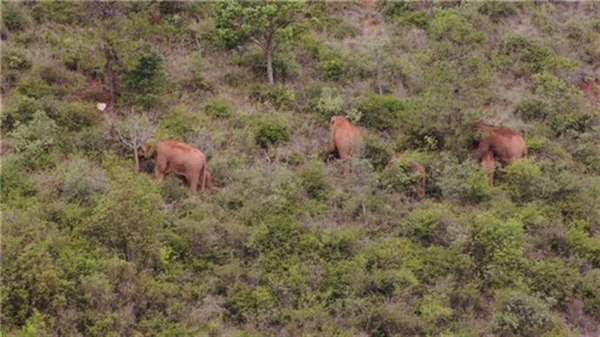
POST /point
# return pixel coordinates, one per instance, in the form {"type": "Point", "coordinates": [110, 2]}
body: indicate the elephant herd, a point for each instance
{"type": "Point", "coordinates": [496, 143]}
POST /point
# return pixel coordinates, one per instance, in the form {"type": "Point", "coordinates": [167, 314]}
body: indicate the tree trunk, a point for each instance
{"type": "Point", "coordinates": [269, 51]}
{"type": "Point", "coordinates": [138, 167]}
{"type": "Point", "coordinates": [112, 79]}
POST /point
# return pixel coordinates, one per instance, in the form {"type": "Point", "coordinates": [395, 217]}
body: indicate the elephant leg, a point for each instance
{"type": "Point", "coordinates": [161, 168]}
{"type": "Point", "coordinates": [193, 181]}
{"type": "Point", "coordinates": [331, 147]}
{"type": "Point", "coordinates": [421, 188]}
{"type": "Point", "coordinates": [159, 175]}
{"type": "Point", "coordinates": [344, 156]}
{"type": "Point", "coordinates": [489, 165]}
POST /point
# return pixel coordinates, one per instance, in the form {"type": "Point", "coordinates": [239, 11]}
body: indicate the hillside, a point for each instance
{"type": "Point", "coordinates": [284, 244]}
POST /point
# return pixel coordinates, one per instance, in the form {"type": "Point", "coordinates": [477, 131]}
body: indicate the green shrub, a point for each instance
{"type": "Point", "coordinates": [13, 18]}
{"type": "Point", "coordinates": [179, 123]}
{"type": "Point", "coordinates": [146, 81]}
{"type": "Point", "coordinates": [271, 133]}
{"type": "Point", "coordinates": [559, 183]}
{"type": "Point", "coordinates": [589, 155]}
{"type": "Point", "coordinates": [65, 13]}
{"type": "Point", "coordinates": [315, 180]}
{"type": "Point", "coordinates": [586, 246]}
{"type": "Point", "coordinates": [33, 87]}
{"type": "Point", "coordinates": [562, 108]}
{"type": "Point", "coordinates": [519, 314]}
{"type": "Point", "coordinates": [29, 247]}
{"type": "Point", "coordinates": [399, 179]}
{"type": "Point", "coordinates": [218, 108]}
{"type": "Point", "coordinates": [15, 59]}
{"type": "Point", "coordinates": [251, 305]}
{"type": "Point", "coordinates": [276, 235]}
{"type": "Point", "coordinates": [342, 29]}
{"type": "Point", "coordinates": [554, 279]}
{"type": "Point", "coordinates": [514, 44]}
{"type": "Point", "coordinates": [377, 151]}
{"type": "Point", "coordinates": [340, 244]}
{"type": "Point", "coordinates": [294, 159]}
{"type": "Point", "coordinates": [284, 65]}
{"type": "Point", "coordinates": [429, 226]}
{"type": "Point", "coordinates": [524, 180]}
{"type": "Point", "coordinates": [279, 96]}
{"type": "Point", "coordinates": [34, 140]}
{"type": "Point", "coordinates": [52, 74]}
{"type": "Point", "coordinates": [418, 19]}
{"type": "Point", "coordinates": [333, 68]}
{"type": "Point", "coordinates": [590, 291]}
{"type": "Point", "coordinates": [465, 182]}
{"type": "Point", "coordinates": [84, 182]}
{"type": "Point", "coordinates": [174, 189]}
{"type": "Point", "coordinates": [536, 58]}
{"type": "Point", "coordinates": [533, 57]}
{"type": "Point", "coordinates": [499, 247]}
{"type": "Point", "coordinates": [382, 112]}
{"type": "Point", "coordinates": [390, 266]}
{"type": "Point", "coordinates": [19, 108]}
{"type": "Point", "coordinates": [533, 110]}
{"type": "Point", "coordinates": [235, 79]}
{"type": "Point", "coordinates": [497, 10]}
{"type": "Point", "coordinates": [196, 66]}
{"type": "Point", "coordinates": [14, 179]}
{"type": "Point", "coordinates": [329, 104]}
{"type": "Point", "coordinates": [398, 8]}
{"type": "Point", "coordinates": [89, 141]}
{"type": "Point", "coordinates": [126, 220]}
{"type": "Point", "coordinates": [76, 116]}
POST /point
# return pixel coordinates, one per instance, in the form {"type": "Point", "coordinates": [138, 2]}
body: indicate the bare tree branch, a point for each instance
{"type": "Point", "coordinates": [134, 130]}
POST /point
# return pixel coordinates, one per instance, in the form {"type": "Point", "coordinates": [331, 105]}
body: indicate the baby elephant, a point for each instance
{"type": "Point", "coordinates": [172, 156]}
{"type": "Point", "coordinates": [418, 171]}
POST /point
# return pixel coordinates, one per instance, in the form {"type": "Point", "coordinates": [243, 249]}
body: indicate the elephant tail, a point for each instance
{"type": "Point", "coordinates": [203, 177]}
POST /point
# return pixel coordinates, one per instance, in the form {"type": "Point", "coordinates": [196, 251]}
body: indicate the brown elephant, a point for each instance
{"type": "Point", "coordinates": [418, 171]}
{"type": "Point", "coordinates": [590, 89]}
{"type": "Point", "coordinates": [344, 141]}
{"type": "Point", "coordinates": [505, 144]}
{"type": "Point", "coordinates": [172, 156]}
{"type": "Point", "coordinates": [488, 163]}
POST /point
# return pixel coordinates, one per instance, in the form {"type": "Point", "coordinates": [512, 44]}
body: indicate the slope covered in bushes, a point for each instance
{"type": "Point", "coordinates": [284, 245]}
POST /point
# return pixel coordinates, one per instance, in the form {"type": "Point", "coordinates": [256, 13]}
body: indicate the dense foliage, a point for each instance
{"type": "Point", "coordinates": [284, 245]}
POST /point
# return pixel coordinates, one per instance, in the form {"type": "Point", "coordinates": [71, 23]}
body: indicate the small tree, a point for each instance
{"type": "Point", "coordinates": [264, 23]}
{"type": "Point", "coordinates": [133, 131]}
{"type": "Point", "coordinates": [457, 75]}
{"type": "Point", "coordinates": [35, 139]}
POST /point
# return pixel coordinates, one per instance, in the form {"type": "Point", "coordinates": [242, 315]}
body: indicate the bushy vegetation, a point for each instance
{"type": "Point", "coordinates": [284, 245]}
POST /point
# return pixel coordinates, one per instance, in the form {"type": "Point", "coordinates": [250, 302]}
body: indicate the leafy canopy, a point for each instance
{"type": "Point", "coordinates": [260, 22]}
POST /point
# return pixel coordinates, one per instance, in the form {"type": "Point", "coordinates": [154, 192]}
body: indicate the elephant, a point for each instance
{"type": "Point", "coordinates": [505, 144]}
{"type": "Point", "coordinates": [488, 163]}
{"type": "Point", "coordinates": [590, 89]}
{"type": "Point", "coordinates": [417, 170]}
{"type": "Point", "coordinates": [344, 141]}
{"type": "Point", "coordinates": [172, 156]}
